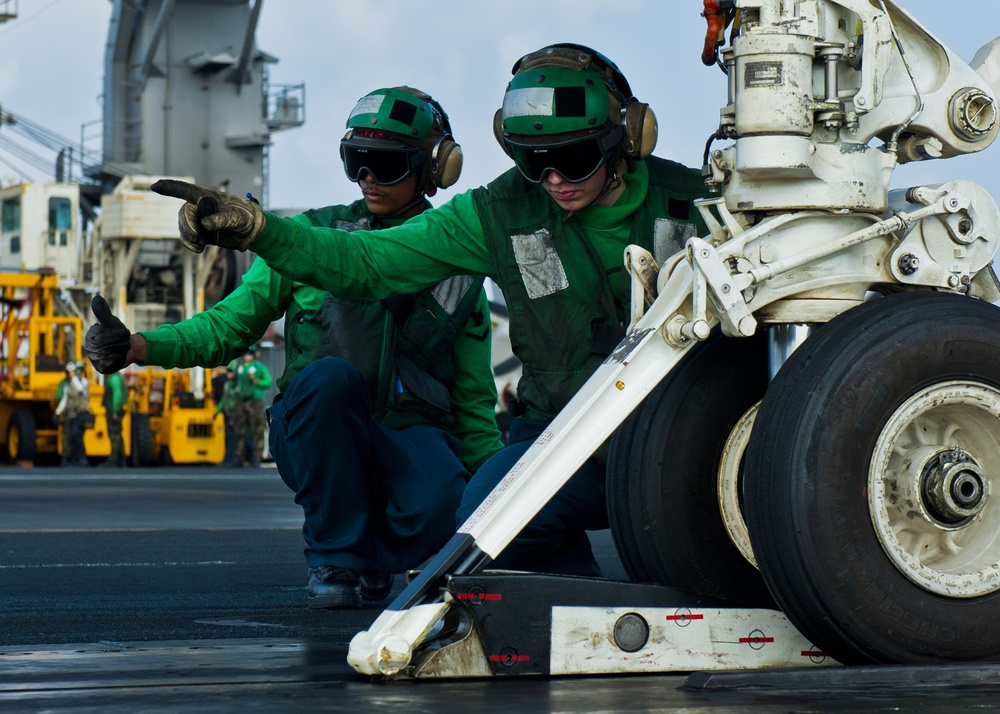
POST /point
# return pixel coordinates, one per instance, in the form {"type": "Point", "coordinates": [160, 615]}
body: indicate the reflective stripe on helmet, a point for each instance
{"type": "Point", "coordinates": [532, 101]}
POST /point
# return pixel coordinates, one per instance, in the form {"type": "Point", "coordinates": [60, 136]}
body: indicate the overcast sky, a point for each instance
{"type": "Point", "coordinates": [460, 51]}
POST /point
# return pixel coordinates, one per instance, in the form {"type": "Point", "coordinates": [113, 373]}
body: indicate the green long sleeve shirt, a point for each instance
{"type": "Point", "coordinates": [448, 240]}
{"type": "Point", "coordinates": [252, 380]}
{"type": "Point", "coordinates": [453, 240]}
{"type": "Point", "coordinates": [115, 393]}
{"type": "Point", "coordinates": [225, 331]}
{"type": "Point", "coordinates": [423, 251]}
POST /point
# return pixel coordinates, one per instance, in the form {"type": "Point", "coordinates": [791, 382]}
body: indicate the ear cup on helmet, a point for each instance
{"type": "Point", "coordinates": [445, 162]}
{"type": "Point", "coordinates": [640, 130]}
{"type": "Point", "coordinates": [498, 131]}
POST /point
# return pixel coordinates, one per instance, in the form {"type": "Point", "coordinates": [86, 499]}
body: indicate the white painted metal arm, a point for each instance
{"type": "Point", "coordinates": [601, 405]}
{"type": "Point", "coordinates": [617, 387]}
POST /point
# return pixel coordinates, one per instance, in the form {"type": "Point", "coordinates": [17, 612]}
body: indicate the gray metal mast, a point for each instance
{"type": "Point", "coordinates": [186, 93]}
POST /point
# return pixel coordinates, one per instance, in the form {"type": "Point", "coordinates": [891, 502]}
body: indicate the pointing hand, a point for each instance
{"type": "Point", "coordinates": [213, 217]}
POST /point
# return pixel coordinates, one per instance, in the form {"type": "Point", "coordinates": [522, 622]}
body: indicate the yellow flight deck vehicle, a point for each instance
{"type": "Point", "coordinates": [171, 423]}
{"type": "Point", "coordinates": [166, 420]}
{"type": "Point", "coordinates": [35, 345]}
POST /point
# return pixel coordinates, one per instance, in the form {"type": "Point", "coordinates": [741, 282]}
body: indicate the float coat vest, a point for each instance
{"type": "Point", "coordinates": [567, 311]}
{"type": "Point", "coordinates": [403, 345]}
{"type": "Point", "coordinates": [77, 402]}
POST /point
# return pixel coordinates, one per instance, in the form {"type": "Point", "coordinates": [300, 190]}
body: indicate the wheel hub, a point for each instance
{"type": "Point", "coordinates": [934, 507]}
{"type": "Point", "coordinates": [953, 487]}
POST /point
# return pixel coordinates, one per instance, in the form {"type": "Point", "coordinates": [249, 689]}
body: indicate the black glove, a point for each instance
{"type": "Point", "coordinates": [108, 341]}
{"type": "Point", "coordinates": [213, 217]}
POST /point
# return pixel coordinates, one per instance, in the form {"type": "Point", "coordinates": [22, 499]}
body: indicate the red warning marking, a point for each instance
{"type": "Point", "coordinates": [757, 640]}
{"type": "Point", "coordinates": [813, 653]}
{"type": "Point", "coordinates": [685, 617]}
{"type": "Point", "coordinates": [509, 658]}
{"type": "Point", "coordinates": [478, 596]}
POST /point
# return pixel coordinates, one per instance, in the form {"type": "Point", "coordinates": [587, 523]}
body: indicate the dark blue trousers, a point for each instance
{"type": "Point", "coordinates": [375, 499]}
{"type": "Point", "coordinates": [555, 541]}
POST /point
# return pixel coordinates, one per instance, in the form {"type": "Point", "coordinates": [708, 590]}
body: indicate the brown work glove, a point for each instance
{"type": "Point", "coordinates": [213, 217]}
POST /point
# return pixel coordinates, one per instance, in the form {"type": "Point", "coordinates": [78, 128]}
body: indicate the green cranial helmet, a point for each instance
{"type": "Point", "coordinates": [566, 93]}
{"type": "Point", "coordinates": [411, 124]}
{"type": "Point", "coordinates": [554, 100]}
{"type": "Point", "coordinates": [562, 89]}
{"type": "Point", "coordinates": [394, 110]}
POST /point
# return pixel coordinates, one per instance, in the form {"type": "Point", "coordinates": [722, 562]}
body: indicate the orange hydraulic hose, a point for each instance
{"type": "Point", "coordinates": [716, 20]}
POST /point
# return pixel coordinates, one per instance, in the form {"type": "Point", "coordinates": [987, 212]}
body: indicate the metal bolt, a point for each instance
{"type": "Point", "coordinates": [908, 263]}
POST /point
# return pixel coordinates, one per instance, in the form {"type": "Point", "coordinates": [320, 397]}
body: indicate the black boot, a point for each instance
{"type": "Point", "coordinates": [375, 587]}
{"type": "Point", "coordinates": [333, 588]}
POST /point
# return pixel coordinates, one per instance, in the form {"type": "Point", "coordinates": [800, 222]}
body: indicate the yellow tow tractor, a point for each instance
{"type": "Point", "coordinates": [35, 346]}
{"type": "Point", "coordinates": [171, 423]}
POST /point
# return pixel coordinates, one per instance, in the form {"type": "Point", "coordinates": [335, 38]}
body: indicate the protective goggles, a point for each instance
{"type": "Point", "coordinates": [387, 166]}
{"type": "Point", "coordinates": [576, 160]}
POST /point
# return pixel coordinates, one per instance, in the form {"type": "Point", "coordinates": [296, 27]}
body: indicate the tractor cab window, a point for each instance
{"type": "Point", "coordinates": [10, 223]}
{"type": "Point", "coordinates": [60, 221]}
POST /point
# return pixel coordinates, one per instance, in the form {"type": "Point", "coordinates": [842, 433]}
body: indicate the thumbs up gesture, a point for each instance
{"type": "Point", "coordinates": [107, 342]}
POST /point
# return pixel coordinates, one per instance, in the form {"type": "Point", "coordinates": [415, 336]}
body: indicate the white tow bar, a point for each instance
{"type": "Point", "coordinates": [618, 386]}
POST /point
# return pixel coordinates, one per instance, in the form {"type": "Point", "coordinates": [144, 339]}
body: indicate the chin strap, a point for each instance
{"type": "Point", "coordinates": [614, 181]}
{"type": "Point", "coordinates": [418, 198]}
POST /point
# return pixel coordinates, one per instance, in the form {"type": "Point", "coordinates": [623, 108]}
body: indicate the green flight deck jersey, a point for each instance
{"type": "Point", "coordinates": [426, 356]}
{"type": "Point", "coordinates": [563, 276]}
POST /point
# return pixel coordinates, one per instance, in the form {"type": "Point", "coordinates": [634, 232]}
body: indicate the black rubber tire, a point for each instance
{"type": "Point", "coordinates": [663, 471]}
{"type": "Point", "coordinates": [623, 498]}
{"type": "Point", "coordinates": [21, 434]}
{"type": "Point", "coordinates": [807, 479]}
{"type": "Point", "coordinates": [142, 441]}
{"type": "Point", "coordinates": [165, 458]}
{"type": "Point", "coordinates": [223, 277]}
